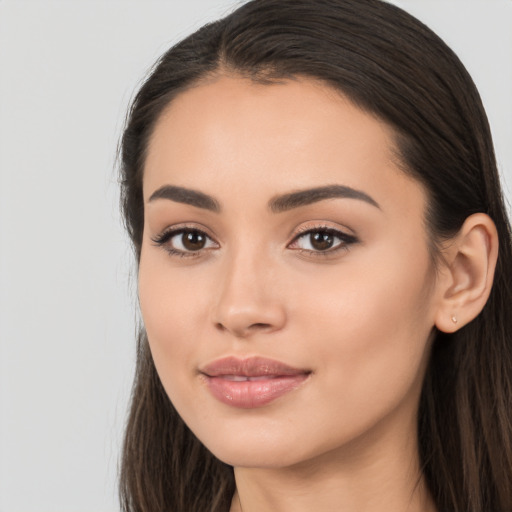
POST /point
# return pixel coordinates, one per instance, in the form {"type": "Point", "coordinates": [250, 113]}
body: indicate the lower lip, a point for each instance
{"type": "Point", "coordinates": [250, 394]}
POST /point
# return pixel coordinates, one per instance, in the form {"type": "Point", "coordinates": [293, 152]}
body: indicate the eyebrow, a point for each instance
{"type": "Point", "coordinates": [186, 196]}
{"type": "Point", "coordinates": [277, 204]}
{"type": "Point", "coordinates": [304, 197]}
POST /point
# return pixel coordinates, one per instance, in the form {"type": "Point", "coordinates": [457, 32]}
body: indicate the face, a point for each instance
{"type": "Point", "coordinates": [285, 281]}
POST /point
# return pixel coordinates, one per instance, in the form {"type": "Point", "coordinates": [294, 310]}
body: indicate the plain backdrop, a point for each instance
{"type": "Point", "coordinates": [67, 292]}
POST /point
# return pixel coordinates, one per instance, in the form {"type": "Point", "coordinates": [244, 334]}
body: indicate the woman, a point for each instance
{"type": "Point", "coordinates": [324, 271]}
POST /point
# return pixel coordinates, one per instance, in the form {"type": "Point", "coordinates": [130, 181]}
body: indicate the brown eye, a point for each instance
{"type": "Point", "coordinates": [321, 240]}
{"type": "Point", "coordinates": [184, 242]}
{"type": "Point", "coordinates": [193, 240]}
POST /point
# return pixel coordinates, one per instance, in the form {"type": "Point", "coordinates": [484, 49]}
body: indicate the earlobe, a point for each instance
{"type": "Point", "coordinates": [470, 262]}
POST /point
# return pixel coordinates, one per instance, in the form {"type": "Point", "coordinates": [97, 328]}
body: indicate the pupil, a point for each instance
{"type": "Point", "coordinates": [193, 240]}
{"type": "Point", "coordinates": [321, 240]}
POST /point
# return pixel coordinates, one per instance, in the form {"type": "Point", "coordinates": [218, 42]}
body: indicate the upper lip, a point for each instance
{"type": "Point", "coordinates": [250, 367]}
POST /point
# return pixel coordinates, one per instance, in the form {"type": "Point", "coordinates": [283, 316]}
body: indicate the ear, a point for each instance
{"type": "Point", "coordinates": [468, 271]}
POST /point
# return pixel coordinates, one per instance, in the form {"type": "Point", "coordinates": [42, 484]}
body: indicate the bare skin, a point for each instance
{"type": "Point", "coordinates": [354, 313]}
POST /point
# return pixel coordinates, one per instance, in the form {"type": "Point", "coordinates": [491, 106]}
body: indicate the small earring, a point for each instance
{"type": "Point", "coordinates": [454, 319]}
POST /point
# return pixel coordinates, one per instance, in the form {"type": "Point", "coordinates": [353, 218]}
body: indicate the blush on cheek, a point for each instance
{"type": "Point", "coordinates": [375, 328]}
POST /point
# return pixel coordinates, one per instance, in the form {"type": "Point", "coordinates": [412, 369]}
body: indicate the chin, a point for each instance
{"type": "Point", "coordinates": [255, 457]}
{"type": "Point", "coordinates": [261, 448]}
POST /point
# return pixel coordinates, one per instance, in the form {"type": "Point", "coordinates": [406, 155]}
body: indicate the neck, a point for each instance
{"type": "Point", "coordinates": [365, 476]}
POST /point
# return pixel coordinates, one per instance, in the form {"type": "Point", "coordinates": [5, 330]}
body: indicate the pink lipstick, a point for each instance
{"type": "Point", "coordinates": [252, 382]}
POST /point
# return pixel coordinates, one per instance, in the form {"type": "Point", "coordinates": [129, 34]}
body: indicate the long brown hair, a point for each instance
{"type": "Point", "coordinates": [390, 64]}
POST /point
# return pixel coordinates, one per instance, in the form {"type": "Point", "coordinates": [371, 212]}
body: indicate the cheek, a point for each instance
{"type": "Point", "coordinates": [172, 307]}
{"type": "Point", "coordinates": [368, 327]}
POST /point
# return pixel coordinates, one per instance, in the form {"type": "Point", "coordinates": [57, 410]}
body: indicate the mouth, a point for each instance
{"type": "Point", "coordinates": [252, 382]}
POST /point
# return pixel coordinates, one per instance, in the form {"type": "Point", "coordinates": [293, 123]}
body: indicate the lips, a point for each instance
{"type": "Point", "coordinates": [252, 382]}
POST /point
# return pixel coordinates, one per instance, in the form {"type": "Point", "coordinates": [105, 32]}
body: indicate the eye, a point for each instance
{"type": "Point", "coordinates": [322, 240]}
{"type": "Point", "coordinates": [184, 241]}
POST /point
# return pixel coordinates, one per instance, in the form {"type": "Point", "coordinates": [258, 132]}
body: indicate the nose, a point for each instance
{"type": "Point", "coordinates": [249, 300]}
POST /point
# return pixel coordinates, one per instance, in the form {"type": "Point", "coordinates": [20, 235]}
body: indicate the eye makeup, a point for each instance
{"type": "Point", "coordinates": [184, 241]}
{"type": "Point", "coordinates": [320, 240]}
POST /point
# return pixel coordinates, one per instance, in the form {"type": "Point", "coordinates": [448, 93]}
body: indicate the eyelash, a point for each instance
{"type": "Point", "coordinates": [345, 239]}
{"type": "Point", "coordinates": [163, 238]}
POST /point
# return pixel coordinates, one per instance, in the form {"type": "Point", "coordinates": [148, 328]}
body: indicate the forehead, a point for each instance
{"type": "Point", "coordinates": [234, 135]}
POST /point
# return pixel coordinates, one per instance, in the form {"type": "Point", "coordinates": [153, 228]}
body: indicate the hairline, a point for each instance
{"type": "Point", "coordinates": [271, 76]}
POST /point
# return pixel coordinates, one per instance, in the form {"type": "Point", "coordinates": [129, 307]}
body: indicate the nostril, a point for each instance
{"type": "Point", "coordinates": [259, 326]}
{"type": "Point", "coordinates": [245, 320]}
{"type": "Point", "coordinates": [243, 330]}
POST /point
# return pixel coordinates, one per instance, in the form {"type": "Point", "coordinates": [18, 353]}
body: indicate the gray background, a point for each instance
{"type": "Point", "coordinates": [67, 301]}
